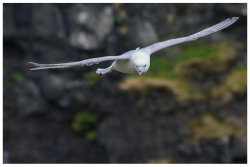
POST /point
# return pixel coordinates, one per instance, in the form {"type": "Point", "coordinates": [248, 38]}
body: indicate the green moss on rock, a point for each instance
{"type": "Point", "coordinates": [214, 58]}
{"type": "Point", "coordinates": [195, 61]}
{"type": "Point", "coordinates": [206, 126]}
{"type": "Point", "coordinates": [15, 77]}
{"type": "Point", "coordinates": [234, 83]}
{"type": "Point", "coordinates": [84, 121]}
{"type": "Point", "coordinates": [92, 136]}
{"type": "Point", "coordinates": [92, 78]}
{"type": "Point", "coordinates": [180, 88]}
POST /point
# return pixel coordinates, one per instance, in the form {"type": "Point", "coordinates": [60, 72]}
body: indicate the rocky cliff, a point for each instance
{"type": "Point", "coordinates": [190, 107]}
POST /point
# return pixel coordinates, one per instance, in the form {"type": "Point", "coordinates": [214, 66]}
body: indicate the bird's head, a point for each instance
{"type": "Point", "coordinates": [141, 65]}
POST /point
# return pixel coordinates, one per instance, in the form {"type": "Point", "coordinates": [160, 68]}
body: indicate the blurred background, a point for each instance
{"type": "Point", "coordinates": [190, 107]}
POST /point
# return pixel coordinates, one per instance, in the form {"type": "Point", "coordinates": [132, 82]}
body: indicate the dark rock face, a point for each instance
{"type": "Point", "coordinates": [145, 125]}
{"type": "Point", "coordinates": [28, 98]}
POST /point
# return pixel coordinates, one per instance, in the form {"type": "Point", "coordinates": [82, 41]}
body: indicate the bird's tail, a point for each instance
{"type": "Point", "coordinates": [45, 66]}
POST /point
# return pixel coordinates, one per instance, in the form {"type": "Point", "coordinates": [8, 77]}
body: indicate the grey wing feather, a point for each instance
{"type": "Point", "coordinates": [87, 62]}
{"type": "Point", "coordinates": [217, 27]}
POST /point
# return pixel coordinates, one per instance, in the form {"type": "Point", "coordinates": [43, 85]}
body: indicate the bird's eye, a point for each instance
{"type": "Point", "coordinates": [145, 65]}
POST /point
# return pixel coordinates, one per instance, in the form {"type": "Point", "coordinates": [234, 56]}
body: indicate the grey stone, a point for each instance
{"type": "Point", "coordinates": [239, 148]}
{"type": "Point", "coordinates": [105, 23]}
{"type": "Point", "coordinates": [50, 24]}
{"type": "Point", "coordinates": [142, 33]}
{"type": "Point", "coordinates": [29, 100]}
{"type": "Point", "coordinates": [100, 22]}
{"type": "Point", "coordinates": [97, 22]}
{"type": "Point", "coordinates": [83, 40]}
{"type": "Point", "coordinates": [190, 149]}
{"type": "Point", "coordinates": [134, 139]}
{"type": "Point", "coordinates": [8, 22]}
{"type": "Point", "coordinates": [6, 156]}
{"type": "Point", "coordinates": [155, 101]}
{"type": "Point", "coordinates": [225, 150]}
{"type": "Point", "coordinates": [52, 86]}
{"type": "Point", "coordinates": [24, 20]}
{"type": "Point", "coordinates": [210, 149]}
{"type": "Point", "coordinates": [64, 101]}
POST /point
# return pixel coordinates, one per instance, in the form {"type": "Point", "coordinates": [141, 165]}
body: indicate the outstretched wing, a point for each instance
{"type": "Point", "coordinates": [160, 45]}
{"type": "Point", "coordinates": [87, 62]}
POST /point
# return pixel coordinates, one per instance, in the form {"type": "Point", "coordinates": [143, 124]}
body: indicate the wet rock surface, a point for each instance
{"type": "Point", "coordinates": [143, 123]}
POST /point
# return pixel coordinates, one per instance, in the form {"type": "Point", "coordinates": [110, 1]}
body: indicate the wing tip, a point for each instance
{"type": "Point", "coordinates": [33, 64]}
{"type": "Point", "coordinates": [234, 18]}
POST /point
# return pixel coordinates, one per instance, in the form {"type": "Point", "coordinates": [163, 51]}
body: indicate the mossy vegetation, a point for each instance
{"type": "Point", "coordinates": [193, 62]}
{"type": "Point", "coordinates": [206, 126]}
{"type": "Point", "coordinates": [92, 136]}
{"type": "Point", "coordinates": [92, 78]}
{"type": "Point", "coordinates": [143, 84]}
{"type": "Point", "coordinates": [16, 76]}
{"type": "Point", "coordinates": [215, 58]}
{"type": "Point", "coordinates": [86, 123]}
{"type": "Point", "coordinates": [214, 55]}
{"type": "Point", "coordinates": [121, 19]}
{"type": "Point", "coordinates": [233, 84]}
{"type": "Point", "coordinates": [13, 78]}
{"type": "Point", "coordinates": [236, 81]}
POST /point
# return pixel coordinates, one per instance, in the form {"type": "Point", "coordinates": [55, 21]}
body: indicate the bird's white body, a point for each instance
{"type": "Point", "coordinates": [137, 61]}
{"type": "Point", "coordinates": [124, 66]}
{"type": "Point", "coordinates": [128, 66]}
